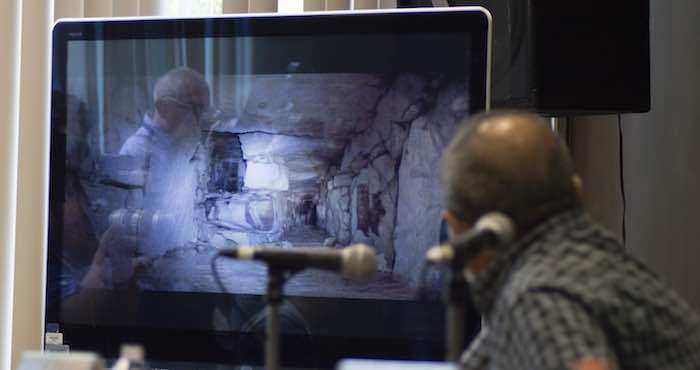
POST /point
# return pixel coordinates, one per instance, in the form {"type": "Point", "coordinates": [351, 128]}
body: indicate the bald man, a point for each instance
{"type": "Point", "coordinates": [564, 294]}
{"type": "Point", "coordinates": [167, 145]}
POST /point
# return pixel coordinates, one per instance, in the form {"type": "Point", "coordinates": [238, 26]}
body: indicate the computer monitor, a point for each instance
{"type": "Point", "coordinates": [174, 138]}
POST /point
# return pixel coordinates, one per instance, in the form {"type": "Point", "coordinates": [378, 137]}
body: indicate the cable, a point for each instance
{"type": "Point", "coordinates": [622, 182]}
{"type": "Point", "coordinates": [215, 273]}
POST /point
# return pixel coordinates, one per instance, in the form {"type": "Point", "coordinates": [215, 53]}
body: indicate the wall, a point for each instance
{"type": "Point", "coordinates": [595, 148]}
{"type": "Point", "coordinates": [660, 151]}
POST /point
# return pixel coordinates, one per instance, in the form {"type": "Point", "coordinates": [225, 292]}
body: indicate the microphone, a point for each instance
{"type": "Point", "coordinates": [491, 229]}
{"type": "Point", "coordinates": [357, 261]}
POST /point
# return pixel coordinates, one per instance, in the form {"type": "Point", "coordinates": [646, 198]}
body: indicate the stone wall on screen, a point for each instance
{"type": "Point", "coordinates": [307, 160]}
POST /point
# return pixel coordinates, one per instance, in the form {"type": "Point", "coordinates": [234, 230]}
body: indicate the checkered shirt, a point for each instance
{"type": "Point", "coordinates": [566, 296]}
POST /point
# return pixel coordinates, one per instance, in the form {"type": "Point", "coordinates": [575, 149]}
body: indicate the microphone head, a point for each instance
{"type": "Point", "coordinates": [499, 224]}
{"type": "Point", "coordinates": [443, 253]}
{"type": "Point", "coordinates": [359, 262]}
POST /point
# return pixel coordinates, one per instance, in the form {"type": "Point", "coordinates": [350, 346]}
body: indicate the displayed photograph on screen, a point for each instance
{"type": "Point", "coordinates": [171, 156]}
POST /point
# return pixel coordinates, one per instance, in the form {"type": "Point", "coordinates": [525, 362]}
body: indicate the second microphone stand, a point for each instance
{"type": "Point", "coordinates": [457, 290]}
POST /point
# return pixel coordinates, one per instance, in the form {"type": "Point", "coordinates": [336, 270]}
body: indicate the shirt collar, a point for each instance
{"type": "Point", "coordinates": [158, 135]}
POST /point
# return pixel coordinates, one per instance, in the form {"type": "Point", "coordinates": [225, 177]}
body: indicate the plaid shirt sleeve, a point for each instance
{"type": "Point", "coordinates": [551, 330]}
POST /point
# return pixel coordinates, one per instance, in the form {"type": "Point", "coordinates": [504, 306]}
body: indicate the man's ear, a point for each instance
{"type": "Point", "coordinates": [455, 225]}
{"type": "Point", "coordinates": [578, 186]}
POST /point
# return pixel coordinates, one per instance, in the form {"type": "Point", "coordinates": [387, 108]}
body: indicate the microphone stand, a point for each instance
{"type": "Point", "coordinates": [276, 278]}
{"type": "Point", "coordinates": [456, 300]}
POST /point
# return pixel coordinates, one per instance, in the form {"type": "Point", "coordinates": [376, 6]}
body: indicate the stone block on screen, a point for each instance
{"type": "Point", "coordinates": [260, 213]}
{"type": "Point", "coordinates": [270, 176]}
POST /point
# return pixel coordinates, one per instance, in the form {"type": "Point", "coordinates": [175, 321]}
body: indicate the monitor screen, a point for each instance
{"type": "Point", "coordinates": [175, 138]}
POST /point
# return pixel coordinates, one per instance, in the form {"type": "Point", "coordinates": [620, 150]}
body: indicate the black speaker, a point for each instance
{"type": "Point", "coordinates": [568, 57]}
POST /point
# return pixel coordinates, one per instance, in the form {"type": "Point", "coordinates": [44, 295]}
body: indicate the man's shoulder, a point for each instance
{"type": "Point", "coordinates": [585, 265]}
{"type": "Point", "coordinates": [139, 144]}
{"type": "Point", "coordinates": [596, 273]}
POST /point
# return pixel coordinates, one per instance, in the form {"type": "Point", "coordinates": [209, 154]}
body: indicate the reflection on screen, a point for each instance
{"type": "Point", "coordinates": [174, 157]}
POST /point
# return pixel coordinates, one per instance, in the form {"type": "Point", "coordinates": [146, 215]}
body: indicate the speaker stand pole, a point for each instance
{"type": "Point", "coordinates": [457, 291]}
{"type": "Point", "coordinates": [559, 126]}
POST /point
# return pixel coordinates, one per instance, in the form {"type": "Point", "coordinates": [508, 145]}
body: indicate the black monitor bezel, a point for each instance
{"type": "Point", "coordinates": [475, 21]}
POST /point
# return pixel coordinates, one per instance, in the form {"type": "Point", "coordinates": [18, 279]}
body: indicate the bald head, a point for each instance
{"type": "Point", "coordinates": [519, 145]}
{"type": "Point", "coordinates": [180, 96]}
{"type": "Point", "coordinates": [507, 161]}
{"type": "Point", "coordinates": [183, 84]}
